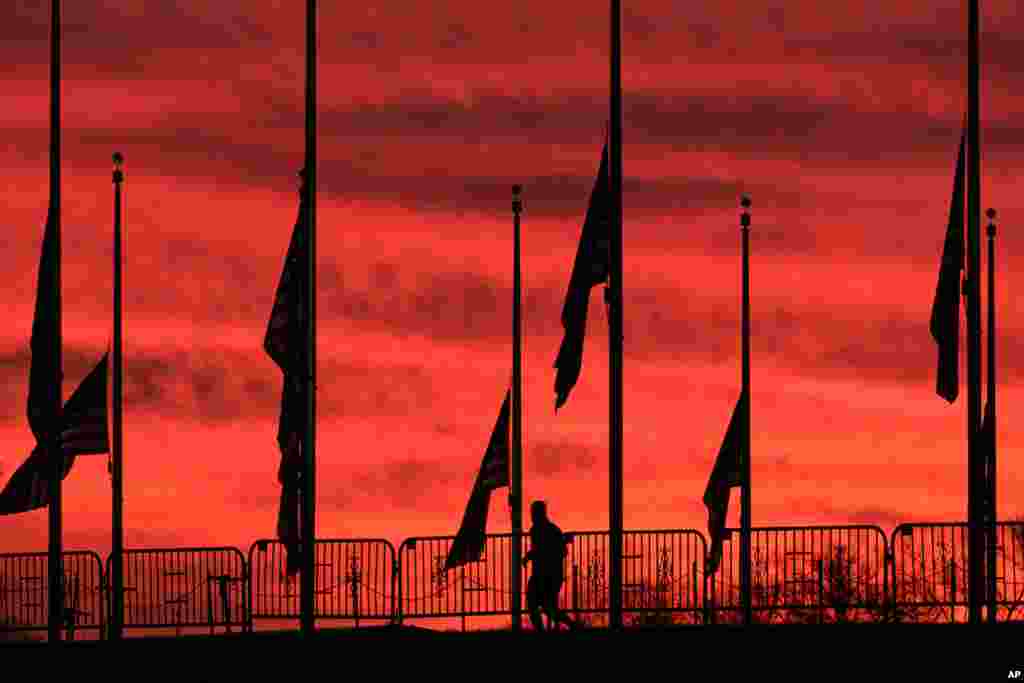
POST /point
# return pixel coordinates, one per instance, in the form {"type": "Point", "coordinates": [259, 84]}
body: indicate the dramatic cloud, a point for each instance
{"type": "Point", "coordinates": [840, 120]}
{"type": "Point", "coordinates": [887, 519]}
{"type": "Point", "coordinates": [552, 459]}
{"type": "Point", "coordinates": [405, 484]}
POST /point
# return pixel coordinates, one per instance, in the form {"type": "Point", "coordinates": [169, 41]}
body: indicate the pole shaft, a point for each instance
{"type": "Point", "coordinates": [975, 470]}
{"type": "Point", "coordinates": [615, 324]}
{"type": "Point", "coordinates": [117, 443]}
{"type": "Point", "coordinates": [990, 455]}
{"type": "Point", "coordinates": [516, 497]}
{"type": "Point", "coordinates": [745, 521]}
{"type": "Point", "coordinates": [56, 540]}
{"type": "Point", "coordinates": [308, 526]}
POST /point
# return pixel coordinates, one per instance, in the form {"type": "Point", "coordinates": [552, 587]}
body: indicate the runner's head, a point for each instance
{"type": "Point", "coordinates": [538, 511]}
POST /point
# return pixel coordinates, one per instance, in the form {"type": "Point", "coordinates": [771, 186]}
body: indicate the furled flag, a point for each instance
{"type": "Point", "coordinates": [84, 433]}
{"type": "Point", "coordinates": [987, 444]}
{"type": "Point", "coordinates": [727, 473]}
{"type": "Point", "coordinates": [44, 383]}
{"type": "Point", "coordinates": [945, 321]}
{"type": "Point", "coordinates": [590, 268]}
{"type": "Point", "coordinates": [468, 545]}
{"type": "Point", "coordinates": [285, 343]}
{"type": "Point", "coordinates": [289, 474]}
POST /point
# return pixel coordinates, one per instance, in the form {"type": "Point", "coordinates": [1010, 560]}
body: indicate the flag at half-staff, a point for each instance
{"type": "Point", "coordinates": [945, 320]}
{"type": "Point", "coordinates": [590, 268]}
{"type": "Point", "coordinates": [84, 432]}
{"type": "Point", "coordinates": [468, 545]}
{"type": "Point", "coordinates": [987, 444]}
{"type": "Point", "coordinates": [44, 380]}
{"type": "Point", "coordinates": [285, 343]}
{"type": "Point", "coordinates": [726, 473]}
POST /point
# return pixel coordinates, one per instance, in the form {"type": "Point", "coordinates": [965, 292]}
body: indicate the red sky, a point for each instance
{"type": "Point", "coordinates": [840, 119]}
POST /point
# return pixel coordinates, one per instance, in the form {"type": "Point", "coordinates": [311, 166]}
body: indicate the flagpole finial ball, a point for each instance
{"type": "Point", "coordinates": [118, 174]}
{"type": "Point", "coordinates": [991, 213]}
{"type": "Point", "coordinates": [517, 189]}
{"type": "Point", "coordinates": [745, 201]}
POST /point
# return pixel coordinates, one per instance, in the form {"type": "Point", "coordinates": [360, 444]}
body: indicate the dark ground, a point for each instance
{"type": "Point", "coordinates": [865, 652]}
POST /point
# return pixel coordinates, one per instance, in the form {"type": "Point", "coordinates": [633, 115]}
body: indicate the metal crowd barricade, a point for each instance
{"type": "Point", "coordinates": [426, 590]}
{"type": "Point", "coordinates": [662, 576]}
{"type": "Point", "coordinates": [814, 574]}
{"type": "Point", "coordinates": [930, 571]}
{"type": "Point", "coordinates": [662, 579]}
{"type": "Point", "coordinates": [1010, 571]}
{"type": "Point", "coordinates": [183, 588]}
{"type": "Point", "coordinates": [817, 574]}
{"type": "Point", "coordinates": [355, 580]}
{"type": "Point", "coordinates": [24, 591]}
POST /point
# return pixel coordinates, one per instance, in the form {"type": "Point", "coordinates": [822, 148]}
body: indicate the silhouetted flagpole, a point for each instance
{"type": "Point", "coordinates": [56, 545]}
{"type": "Point", "coordinates": [614, 294]}
{"type": "Point", "coordinates": [516, 492]}
{"type": "Point", "coordinates": [745, 522]}
{"type": "Point", "coordinates": [975, 466]}
{"type": "Point", "coordinates": [990, 409]}
{"type": "Point", "coordinates": [308, 526]}
{"type": "Point", "coordinates": [116, 452]}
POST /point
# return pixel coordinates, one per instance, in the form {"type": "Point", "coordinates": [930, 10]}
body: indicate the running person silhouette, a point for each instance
{"type": "Point", "coordinates": [547, 551]}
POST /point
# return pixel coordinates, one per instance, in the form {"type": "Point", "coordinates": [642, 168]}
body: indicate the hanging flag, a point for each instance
{"type": "Point", "coordinates": [987, 444]}
{"type": "Point", "coordinates": [289, 474]}
{"type": "Point", "coordinates": [45, 373]}
{"type": "Point", "coordinates": [726, 473]}
{"type": "Point", "coordinates": [590, 268]}
{"type": "Point", "coordinates": [85, 415]}
{"type": "Point", "coordinates": [28, 487]}
{"type": "Point", "coordinates": [988, 432]}
{"type": "Point", "coordinates": [285, 343]}
{"type": "Point", "coordinates": [84, 433]}
{"type": "Point", "coordinates": [468, 545]}
{"type": "Point", "coordinates": [945, 320]}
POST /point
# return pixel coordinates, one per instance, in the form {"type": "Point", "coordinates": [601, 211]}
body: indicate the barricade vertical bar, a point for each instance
{"type": "Point", "coordinates": [821, 591]}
